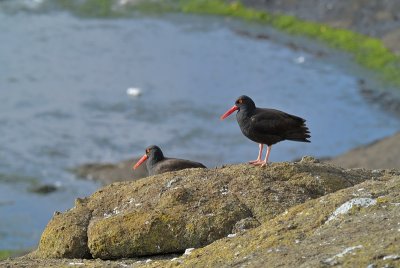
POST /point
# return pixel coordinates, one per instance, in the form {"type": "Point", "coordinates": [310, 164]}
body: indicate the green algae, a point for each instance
{"type": "Point", "coordinates": [90, 8]}
{"type": "Point", "coordinates": [366, 51]}
{"type": "Point", "coordinates": [4, 254]}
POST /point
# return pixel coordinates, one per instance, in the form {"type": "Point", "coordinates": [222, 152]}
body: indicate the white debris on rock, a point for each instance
{"type": "Point", "coordinates": [344, 208]}
{"type": "Point", "coordinates": [116, 211]}
{"type": "Point", "coordinates": [224, 190]}
{"type": "Point", "coordinates": [274, 250]}
{"type": "Point", "coordinates": [188, 251]}
{"type": "Point", "coordinates": [332, 260]}
{"type": "Point", "coordinates": [76, 263]}
{"type": "Point", "coordinates": [148, 260]}
{"type": "Point", "coordinates": [391, 257]}
{"type": "Point", "coordinates": [169, 184]}
{"type": "Point", "coordinates": [231, 235]}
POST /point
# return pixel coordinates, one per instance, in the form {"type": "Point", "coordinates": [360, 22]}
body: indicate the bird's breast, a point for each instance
{"type": "Point", "coordinates": [244, 124]}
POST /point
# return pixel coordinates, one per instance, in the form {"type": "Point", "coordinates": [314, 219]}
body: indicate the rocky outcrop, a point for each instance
{"type": "Point", "coordinates": [354, 227]}
{"type": "Point", "coordinates": [381, 154]}
{"type": "Point", "coordinates": [66, 234]}
{"type": "Point", "coordinates": [192, 208]}
{"type": "Point", "coordinates": [303, 214]}
{"type": "Point", "coordinates": [107, 173]}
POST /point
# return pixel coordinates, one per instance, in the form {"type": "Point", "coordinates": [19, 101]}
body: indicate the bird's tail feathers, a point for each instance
{"type": "Point", "coordinates": [301, 134]}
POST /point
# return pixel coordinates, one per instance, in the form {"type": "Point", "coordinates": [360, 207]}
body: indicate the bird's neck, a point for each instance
{"type": "Point", "coordinates": [153, 160]}
{"type": "Point", "coordinates": [245, 112]}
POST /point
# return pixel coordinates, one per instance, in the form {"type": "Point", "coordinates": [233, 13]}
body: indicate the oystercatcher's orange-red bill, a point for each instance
{"type": "Point", "coordinates": [228, 113]}
{"type": "Point", "coordinates": [141, 160]}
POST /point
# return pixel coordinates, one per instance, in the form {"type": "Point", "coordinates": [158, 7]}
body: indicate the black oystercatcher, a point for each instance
{"type": "Point", "coordinates": [157, 163]}
{"type": "Point", "coordinates": [267, 126]}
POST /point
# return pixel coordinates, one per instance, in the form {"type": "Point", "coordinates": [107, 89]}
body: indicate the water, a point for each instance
{"type": "Point", "coordinates": [63, 84]}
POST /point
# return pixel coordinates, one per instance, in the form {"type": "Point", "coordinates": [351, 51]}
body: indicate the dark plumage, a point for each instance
{"type": "Point", "coordinates": [267, 126]}
{"type": "Point", "coordinates": [157, 163]}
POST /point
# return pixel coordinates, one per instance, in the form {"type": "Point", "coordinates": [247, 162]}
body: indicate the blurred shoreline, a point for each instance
{"type": "Point", "coordinates": [379, 154]}
{"type": "Point", "coordinates": [376, 18]}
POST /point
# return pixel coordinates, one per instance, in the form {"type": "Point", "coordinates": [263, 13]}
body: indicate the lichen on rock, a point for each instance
{"type": "Point", "coordinates": [192, 208]}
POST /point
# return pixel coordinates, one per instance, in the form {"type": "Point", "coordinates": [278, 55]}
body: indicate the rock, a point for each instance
{"type": "Point", "coordinates": [391, 40]}
{"type": "Point", "coordinates": [364, 237]}
{"type": "Point", "coordinates": [43, 189]}
{"type": "Point", "coordinates": [65, 235]}
{"type": "Point", "coordinates": [245, 224]}
{"type": "Point", "coordinates": [154, 216]}
{"type": "Point", "coordinates": [108, 173]}
{"type": "Point", "coordinates": [381, 154]}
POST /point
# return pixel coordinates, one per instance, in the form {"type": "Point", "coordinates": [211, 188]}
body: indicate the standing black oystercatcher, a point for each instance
{"type": "Point", "coordinates": [157, 163]}
{"type": "Point", "coordinates": [267, 126]}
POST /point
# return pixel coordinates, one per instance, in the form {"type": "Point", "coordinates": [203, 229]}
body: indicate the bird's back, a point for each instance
{"type": "Point", "coordinates": [269, 126]}
{"type": "Point", "coordinates": [174, 164]}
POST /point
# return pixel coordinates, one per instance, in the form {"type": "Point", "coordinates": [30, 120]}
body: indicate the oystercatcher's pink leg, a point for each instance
{"type": "Point", "coordinates": [266, 156]}
{"type": "Point", "coordinates": [258, 160]}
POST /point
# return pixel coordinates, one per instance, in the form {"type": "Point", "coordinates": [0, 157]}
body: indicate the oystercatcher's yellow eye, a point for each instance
{"type": "Point", "coordinates": [239, 101]}
{"type": "Point", "coordinates": [147, 151]}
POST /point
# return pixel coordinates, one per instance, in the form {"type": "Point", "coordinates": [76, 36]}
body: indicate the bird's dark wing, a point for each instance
{"type": "Point", "coordinates": [173, 164]}
{"type": "Point", "coordinates": [274, 122]}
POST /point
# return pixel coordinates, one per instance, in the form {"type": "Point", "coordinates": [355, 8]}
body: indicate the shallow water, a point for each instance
{"type": "Point", "coordinates": [63, 84]}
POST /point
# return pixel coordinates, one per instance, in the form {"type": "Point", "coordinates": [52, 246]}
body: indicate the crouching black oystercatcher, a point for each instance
{"type": "Point", "coordinates": [157, 163]}
{"type": "Point", "coordinates": [267, 126]}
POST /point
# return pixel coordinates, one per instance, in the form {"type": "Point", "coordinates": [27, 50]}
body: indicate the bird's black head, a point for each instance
{"type": "Point", "coordinates": [154, 153]}
{"type": "Point", "coordinates": [244, 102]}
